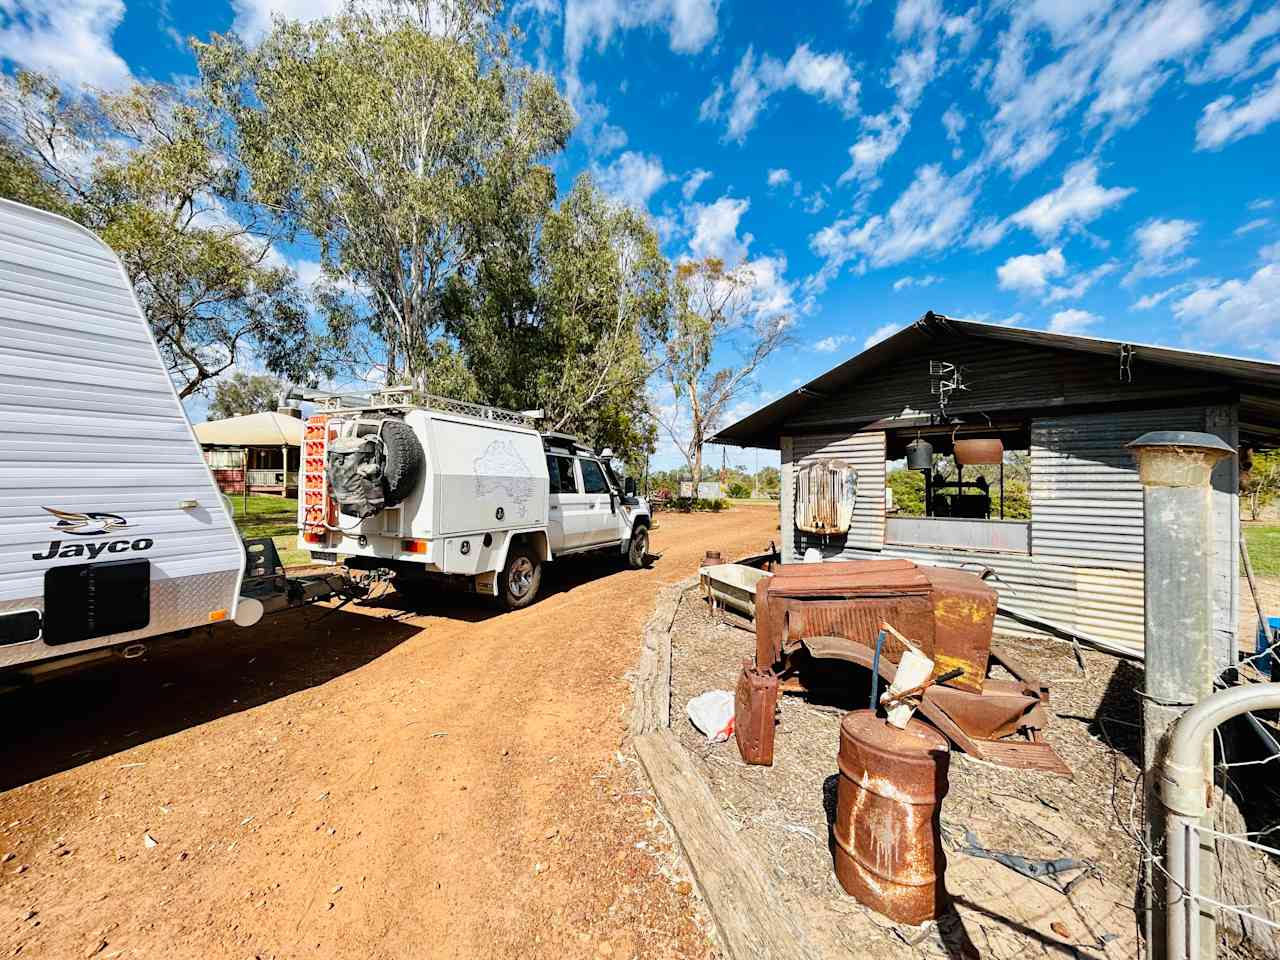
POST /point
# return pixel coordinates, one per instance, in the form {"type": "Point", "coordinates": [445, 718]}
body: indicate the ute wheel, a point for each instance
{"type": "Point", "coordinates": [520, 578]}
{"type": "Point", "coordinates": [639, 548]}
{"type": "Point", "coordinates": [403, 466]}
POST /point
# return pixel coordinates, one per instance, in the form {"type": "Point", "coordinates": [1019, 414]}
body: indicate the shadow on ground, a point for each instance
{"type": "Point", "coordinates": [107, 707]}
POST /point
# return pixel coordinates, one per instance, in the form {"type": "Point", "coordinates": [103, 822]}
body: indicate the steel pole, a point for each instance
{"type": "Point", "coordinates": [1177, 521]}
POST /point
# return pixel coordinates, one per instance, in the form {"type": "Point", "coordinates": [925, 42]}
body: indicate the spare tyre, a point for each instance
{"type": "Point", "coordinates": [402, 466]}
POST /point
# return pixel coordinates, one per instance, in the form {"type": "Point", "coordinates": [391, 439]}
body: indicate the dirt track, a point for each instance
{"type": "Point", "coordinates": [381, 782]}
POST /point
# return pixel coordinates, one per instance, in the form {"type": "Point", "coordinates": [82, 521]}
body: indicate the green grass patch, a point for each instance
{"type": "Point", "coordinates": [1264, 548]}
{"type": "Point", "coordinates": [266, 516]}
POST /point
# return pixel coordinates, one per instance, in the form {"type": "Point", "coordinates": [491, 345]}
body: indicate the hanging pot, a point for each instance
{"type": "Point", "coordinates": [979, 450]}
{"type": "Point", "coordinates": [919, 455]}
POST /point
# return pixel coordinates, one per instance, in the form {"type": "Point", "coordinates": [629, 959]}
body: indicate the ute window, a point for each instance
{"type": "Point", "coordinates": [593, 480]}
{"type": "Point", "coordinates": [560, 469]}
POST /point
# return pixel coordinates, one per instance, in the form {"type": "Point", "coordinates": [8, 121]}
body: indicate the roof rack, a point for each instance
{"type": "Point", "coordinates": [407, 396]}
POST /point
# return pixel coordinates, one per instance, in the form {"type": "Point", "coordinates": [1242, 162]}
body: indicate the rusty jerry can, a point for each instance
{"type": "Point", "coordinates": [755, 703]}
{"type": "Point", "coordinates": [888, 841]}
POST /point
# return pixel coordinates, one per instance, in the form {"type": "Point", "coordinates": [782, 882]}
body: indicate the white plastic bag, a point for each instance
{"type": "Point", "coordinates": [712, 714]}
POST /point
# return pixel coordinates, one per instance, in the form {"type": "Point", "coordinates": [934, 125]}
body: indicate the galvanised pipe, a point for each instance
{"type": "Point", "coordinates": [1184, 790]}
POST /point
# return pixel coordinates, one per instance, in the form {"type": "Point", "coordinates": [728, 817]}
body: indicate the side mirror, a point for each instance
{"type": "Point", "coordinates": [629, 486]}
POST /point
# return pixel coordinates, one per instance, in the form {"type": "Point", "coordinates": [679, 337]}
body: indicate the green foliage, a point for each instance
{"type": "Point", "coordinates": [908, 486]}
{"type": "Point", "coordinates": [163, 194]}
{"type": "Point", "coordinates": [570, 323]}
{"type": "Point", "coordinates": [406, 139]}
{"type": "Point", "coordinates": [21, 180]}
{"type": "Point", "coordinates": [1260, 480]}
{"type": "Point", "coordinates": [738, 489]}
{"type": "Point", "coordinates": [244, 393]}
{"type": "Point", "coordinates": [908, 491]}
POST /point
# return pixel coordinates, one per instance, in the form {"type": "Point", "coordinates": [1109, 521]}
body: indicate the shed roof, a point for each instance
{"type": "Point", "coordinates": [252, 430]}
{"type": "Point", "coordinates": [1257, 381]}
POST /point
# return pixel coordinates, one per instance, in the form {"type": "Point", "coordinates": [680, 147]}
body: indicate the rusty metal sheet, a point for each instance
{"type": "Point", "coordinates": [888, 842]}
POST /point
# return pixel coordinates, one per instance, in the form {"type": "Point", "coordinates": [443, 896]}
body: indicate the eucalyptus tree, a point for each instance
{"type": "Point", "coordinates": [146, 171]}
{"type": "Point", "coordinates": [568, 313]}
{"type": "Point", "coordinates": [398, 135]}
{"type": "Point", "coordinates": [718, 340]}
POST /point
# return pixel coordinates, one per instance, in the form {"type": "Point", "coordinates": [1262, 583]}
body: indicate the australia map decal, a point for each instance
{"type": "Point", "coordinates": [500, 467]}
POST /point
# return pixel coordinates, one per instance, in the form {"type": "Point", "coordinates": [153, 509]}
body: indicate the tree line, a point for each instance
{"type": "Point", "coordinates": [408, 151]}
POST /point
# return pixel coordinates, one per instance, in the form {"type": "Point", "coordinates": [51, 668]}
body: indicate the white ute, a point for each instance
{"type": "Point", "coordinates": [437, 490]}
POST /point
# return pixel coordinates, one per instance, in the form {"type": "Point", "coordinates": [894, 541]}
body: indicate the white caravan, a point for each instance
{"type": "Point", "coordinates": [442, 491]}
{"type": "Point", "coordinates": [113, 528]}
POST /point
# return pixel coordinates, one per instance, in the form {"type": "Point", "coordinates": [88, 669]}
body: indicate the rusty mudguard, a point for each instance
{"type": "Point", "coordinates": [755, 703]}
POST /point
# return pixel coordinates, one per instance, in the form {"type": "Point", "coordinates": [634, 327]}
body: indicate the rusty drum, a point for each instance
{"type": "Point", "coordinates": [888, 844]}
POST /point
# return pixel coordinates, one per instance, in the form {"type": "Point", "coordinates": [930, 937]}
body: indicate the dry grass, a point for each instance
{"type": "Point", "coordinates": [783, 811]}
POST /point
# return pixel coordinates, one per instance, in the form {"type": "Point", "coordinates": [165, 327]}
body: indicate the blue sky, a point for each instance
{"type": "Point", "coordinates": [1062, 164]}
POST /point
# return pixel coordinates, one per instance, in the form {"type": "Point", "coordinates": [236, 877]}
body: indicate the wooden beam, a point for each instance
{"type": "Point", "coordinates": [746, 904]}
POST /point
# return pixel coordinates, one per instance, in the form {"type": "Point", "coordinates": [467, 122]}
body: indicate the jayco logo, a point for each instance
{"type": "Point", "coordinates": [89, 525]}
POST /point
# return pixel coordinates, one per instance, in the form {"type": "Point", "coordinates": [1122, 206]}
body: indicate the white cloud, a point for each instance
{"type": "Point", "coordinates": [70, 40]}
{"type": "Point", "coordinates": [1113, 58]}
{"type": "Point", "coordinates": [1236, 57]}
{"type": "Point", "coordinates": [689, 24]}
{"type": "Point", "coordinates": [1013, 320]}
{"type": "Point", "coordinates": [779, 177]}
{"type": "Point", "coordinates": [1155, 299]}
{"type": "Point", "coordinates": [1251, 226]}
{"type": "Point", "coordinates": [633, 178]}
{"type": "Point", "coordinates": [869, 153]}
{"type": "Point", "coordinates": [1072, 321]}
{"type": "Point", "coordinates": [1080, 200]}
{"type": "Point", "coordinates": [1270, 252]}
{"type": "Point", "coordinates": [954, 122]}
{"type": "Point", "coordinates": [715, 229]}
{"type": "Point", "coordinates": [827, 77]}
{"type": "Point", "coordinates": [693, 181]}
{"type": "Point", "coordinates": [1262, 203]}
{"type": "Point", "coordinates": [831, 344]}
{"type": "Point", "coordinates": [253, 17]}
{"type": "Point", "coordinates": [882, 332]}
{"type": "Point", "coordinates": [929, 216]}
{"type": "Point", "coordinates": [709, 109]}
{"type": "Point", "coordinates": [903, 283]}
{"type": "Point", "coordinates": [1224, 121]}
{"type": "Point", "coordinates": [1160, 245]}
{"type": "Point", "coordinates": [1031, 272]}
{"type": "Point", "coordinates": [987, 234]}
{"type": "Point", "coordinates": [1244, 312]}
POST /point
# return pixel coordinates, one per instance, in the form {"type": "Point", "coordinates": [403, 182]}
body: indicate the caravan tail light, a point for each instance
{"type": "Point", "coordinates": [414, 546]}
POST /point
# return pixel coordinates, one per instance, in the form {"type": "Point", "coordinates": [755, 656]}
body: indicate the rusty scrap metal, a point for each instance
{"type": "Point", "coordinates": [825, 496]}
{"type": "Point", "coordinates": [755, 703]}
{"type": "Point", "coordinates": [888, 839]}
{"type": "Point", "coordinates": [837, 611]}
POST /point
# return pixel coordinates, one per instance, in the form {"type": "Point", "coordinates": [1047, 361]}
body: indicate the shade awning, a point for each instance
{"type": "Point", "coordinates": [252, 430]}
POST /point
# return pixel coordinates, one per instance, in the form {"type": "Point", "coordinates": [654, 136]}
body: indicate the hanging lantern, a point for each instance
{"type": "Point", "coordinates": [919, 455]}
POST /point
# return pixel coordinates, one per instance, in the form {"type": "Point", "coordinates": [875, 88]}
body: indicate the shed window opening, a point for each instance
{"type": "Point", "coordinates": [961, 473]}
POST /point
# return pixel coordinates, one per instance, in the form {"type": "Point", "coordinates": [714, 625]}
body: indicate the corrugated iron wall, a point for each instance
{"type": "Point", "coordinates": [865, 452]}
{"type": "Point", "coordinates": [1086, 501]}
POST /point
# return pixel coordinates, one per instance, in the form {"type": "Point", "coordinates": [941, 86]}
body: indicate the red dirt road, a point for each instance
{"type": "Point", "coordinates": [385, 781]}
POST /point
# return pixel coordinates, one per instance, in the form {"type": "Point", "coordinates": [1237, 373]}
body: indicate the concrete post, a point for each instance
{"type": "Point", "coordinates": [1175, 467]}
